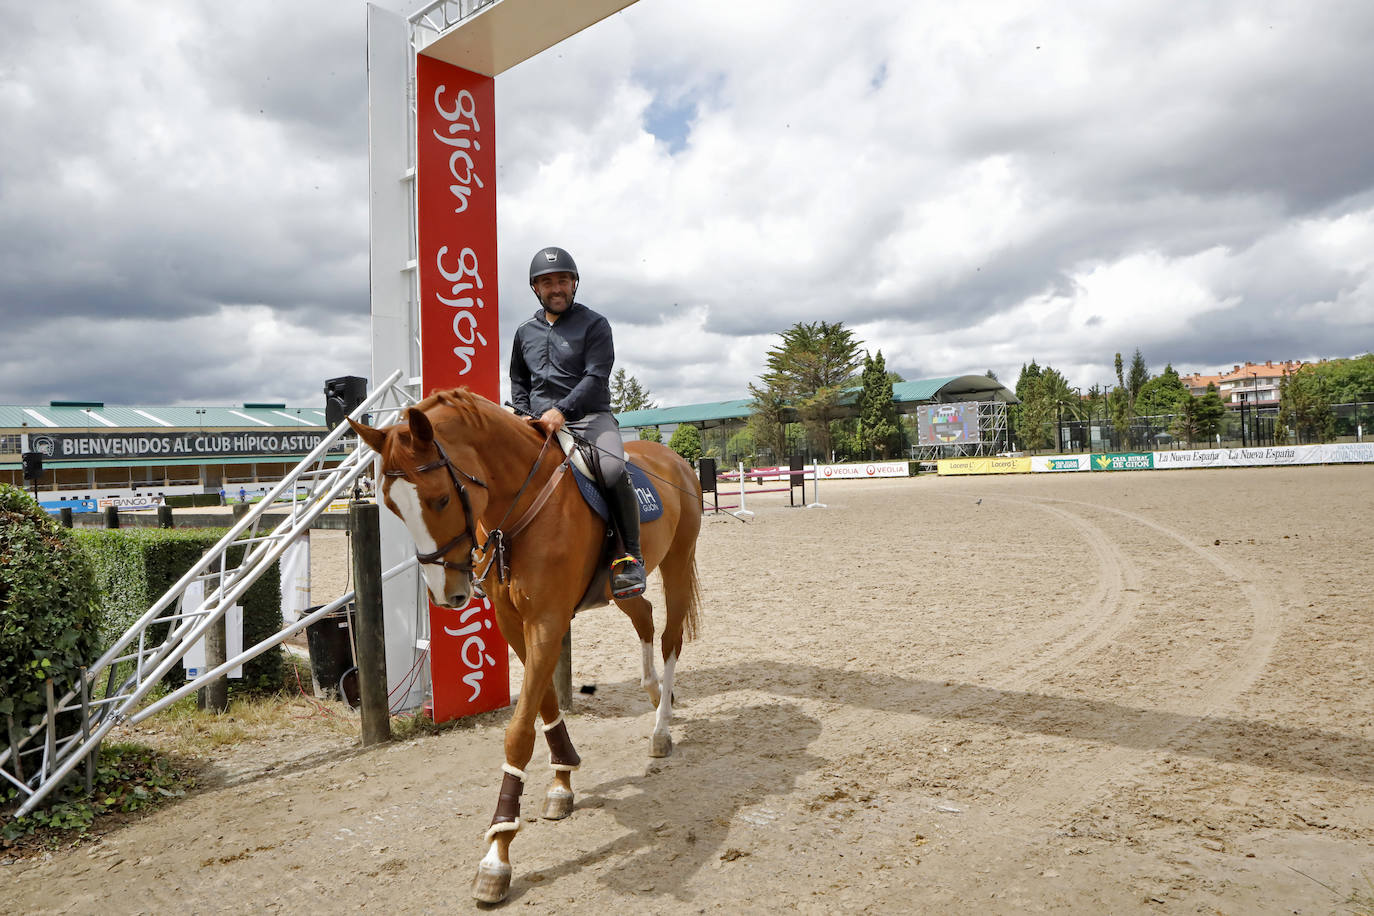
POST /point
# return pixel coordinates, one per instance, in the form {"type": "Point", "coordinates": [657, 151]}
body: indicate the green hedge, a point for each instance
{"type": "Point", "coordinates": [135, 566]}
{"type": "Point", "coordinates": [48, 608]}
{"type": "Point", "coordinates": [191, 500]}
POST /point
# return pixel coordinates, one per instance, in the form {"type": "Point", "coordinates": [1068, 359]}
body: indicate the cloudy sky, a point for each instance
{"type": "Point", "coordinates": [183, 188]}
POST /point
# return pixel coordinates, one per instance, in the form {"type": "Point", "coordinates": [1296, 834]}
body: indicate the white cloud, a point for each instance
{"type": "Point", "coordinates": [967, 189]}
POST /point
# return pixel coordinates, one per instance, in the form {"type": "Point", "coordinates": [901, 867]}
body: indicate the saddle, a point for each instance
{"type": "Point", "coordinates": [583, 464]}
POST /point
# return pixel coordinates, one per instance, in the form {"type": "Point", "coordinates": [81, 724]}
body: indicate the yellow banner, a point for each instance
{"type": "Point", "coordinates": [948, 466]}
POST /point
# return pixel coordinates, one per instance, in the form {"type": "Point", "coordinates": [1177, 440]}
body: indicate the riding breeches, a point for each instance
{"type": "Point", "coordinates": [603, 432]}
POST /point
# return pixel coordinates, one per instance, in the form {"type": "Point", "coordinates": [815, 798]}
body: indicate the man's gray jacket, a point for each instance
{"type": "Point", "coordinates": [565, 365]}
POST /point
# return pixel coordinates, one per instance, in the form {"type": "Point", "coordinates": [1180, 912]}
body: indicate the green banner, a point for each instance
{"type": "Point", "coordinates": [1124, 461]}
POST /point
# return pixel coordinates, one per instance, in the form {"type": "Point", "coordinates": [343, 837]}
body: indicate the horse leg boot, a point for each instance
{"type": "Point", "coordinates": [558, 801]}
{"type": "Point", "coordinates": [492, 882]}
{"type": "Point", "coordinates": [627, 572]}
{"type": "Point", "coordinates": [542, 644]}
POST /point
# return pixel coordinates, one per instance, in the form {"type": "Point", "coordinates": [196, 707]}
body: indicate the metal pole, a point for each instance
{"type": "Point", "coordinates": [562, 672]}
{"type": "Point", "coordinates": [214, 695]}
{"type": "Point", "coordinates": [364, 523]}
{"type": "Point", "coordinates": [86, 730]}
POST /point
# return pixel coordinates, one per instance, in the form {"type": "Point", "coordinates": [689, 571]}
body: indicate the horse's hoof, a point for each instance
{"type": "Point", "coordinates": [558, 804]}
{"type": "Point", "coordinates": [660, 745]}
{"type": "Point", "coordinates": [492, 883]}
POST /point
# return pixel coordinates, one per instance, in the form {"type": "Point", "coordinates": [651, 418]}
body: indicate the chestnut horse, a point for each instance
{"type": "Point", "coordinates": [489, 505]}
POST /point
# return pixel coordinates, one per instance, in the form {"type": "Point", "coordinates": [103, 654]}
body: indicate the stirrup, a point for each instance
{"type": "Point", "coordinates": [630, 572]}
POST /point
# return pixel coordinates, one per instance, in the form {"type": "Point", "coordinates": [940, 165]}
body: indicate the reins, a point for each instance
{"type": "Point", "coordinates": [494, 546]}
{"type": "Point", "coordinates": [596, 448]}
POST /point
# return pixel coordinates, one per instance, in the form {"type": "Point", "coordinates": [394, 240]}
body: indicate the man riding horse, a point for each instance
{"type": "Point", "coordinates": [560, 370]}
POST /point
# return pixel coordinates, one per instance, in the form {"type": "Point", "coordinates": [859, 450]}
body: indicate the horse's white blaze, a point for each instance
{"type": "Point", "coordinates": [407, 500]}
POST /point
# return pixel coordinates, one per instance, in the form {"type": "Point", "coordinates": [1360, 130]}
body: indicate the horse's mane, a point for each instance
{"type": "Point", "coordinates": [473, 410]}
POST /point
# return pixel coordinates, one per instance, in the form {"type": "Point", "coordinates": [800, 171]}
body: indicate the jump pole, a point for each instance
{"type": "Point", "coordinates": [743, 512]}
{"type": "Point", "coordinates": [816, 477]}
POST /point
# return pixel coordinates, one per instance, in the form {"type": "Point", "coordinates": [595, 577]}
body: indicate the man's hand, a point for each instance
{"type": "Point", "coordinates": [551, 421]}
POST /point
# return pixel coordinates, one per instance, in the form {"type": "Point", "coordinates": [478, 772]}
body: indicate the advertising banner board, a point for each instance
{"type": "Point", "coordinates": [871, 469]}
{"type": "Point", "coordinates": [1041, 463]}
{"type": "Point", "coordinates": [455, 170]}
{"type": "Point", "coordinates": [1123, 461]}
{"type": "Point", "coordinates": [951, 466]}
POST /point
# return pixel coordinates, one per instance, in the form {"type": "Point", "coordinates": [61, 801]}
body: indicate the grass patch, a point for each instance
{"type": "Point", "coordinates": [129, 779]}
{"type": "Point", "coordinates": [165, 757]}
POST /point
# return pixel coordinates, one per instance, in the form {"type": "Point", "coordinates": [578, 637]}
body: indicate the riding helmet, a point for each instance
{"type": "Point", "coordinates": [552, 261]}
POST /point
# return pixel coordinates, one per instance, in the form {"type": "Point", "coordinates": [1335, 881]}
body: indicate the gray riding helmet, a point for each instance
{"type": "Point", "coordinates": [552, 261]}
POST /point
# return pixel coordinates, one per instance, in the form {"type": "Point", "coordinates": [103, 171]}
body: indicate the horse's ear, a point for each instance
{"type": "Point", "coordinates": [374, 437]}
{"type": "Point", "coordinates": [420, 428]}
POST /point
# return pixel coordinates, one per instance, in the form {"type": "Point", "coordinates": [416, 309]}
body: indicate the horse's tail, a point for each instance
{"type": "Point", "coordinates": [690, 619]}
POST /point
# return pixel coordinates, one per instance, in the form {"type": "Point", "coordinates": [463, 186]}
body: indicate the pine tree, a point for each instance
{"type": "Point", "coordinates": [809, 370]}
{"type": "Point", "coordinates": [628, 394]}
{"type": "Point", "coordinates": [878, 425]}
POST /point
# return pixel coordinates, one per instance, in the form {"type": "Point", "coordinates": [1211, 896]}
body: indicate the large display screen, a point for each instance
{"type": "Point", "coordinates": [947, 424]}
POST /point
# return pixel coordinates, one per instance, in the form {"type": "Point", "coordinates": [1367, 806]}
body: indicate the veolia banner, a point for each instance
{"type": "Point", "coordinates": [455, 173]}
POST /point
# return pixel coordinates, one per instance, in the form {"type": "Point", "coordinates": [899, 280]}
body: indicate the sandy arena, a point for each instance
{"type": "Point", "coordinates": [1142, 692]}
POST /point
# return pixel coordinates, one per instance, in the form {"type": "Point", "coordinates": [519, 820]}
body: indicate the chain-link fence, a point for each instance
{"type": "Point", "coordinates": [1246, 427]}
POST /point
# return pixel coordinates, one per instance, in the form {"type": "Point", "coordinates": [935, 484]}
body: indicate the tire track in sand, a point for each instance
{"type": "Point", "coordinates": [1085, 779]}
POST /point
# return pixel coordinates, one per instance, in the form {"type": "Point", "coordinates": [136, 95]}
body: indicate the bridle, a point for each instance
{"type": "Point", "coordinates": [496, 557]}
{"type": "Point", "coordinates": [456, 474]}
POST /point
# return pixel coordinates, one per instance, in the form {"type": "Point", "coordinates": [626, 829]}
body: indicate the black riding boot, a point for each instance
{"type": "Point", "coordinates": [627, 572]}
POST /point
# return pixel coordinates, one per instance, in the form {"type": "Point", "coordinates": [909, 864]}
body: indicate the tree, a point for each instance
{"type": "Point", "coordinates": [1046, 399]}
{"type": "Point", "coordinates": [740, 447]}
{"type": "Point", "coordinates": [686, 441]}
{"type": "Point", "coordinates": [878, 426]}
{"type": "Point", "coordinates": [650, 434]}
{"type": "Point", "coordinates": [810, 369]}
{"type": "Point", "coordinates": [1211, 410]}
{"type": "Point", "coordinates": [1121, 403]}
{"type": "Point", "coordinates": [1136, 379]}
{"type": "Point", "coordinates": [1163, 394]}
{"type": "Point", "coordinates": [628, 394]}
{"type": "Point", "coordinates": [1305, 404]}
{"type": "Point", "coordinates": [768, 422]}
{"type": "Point", "coordinates": [1037, 411]}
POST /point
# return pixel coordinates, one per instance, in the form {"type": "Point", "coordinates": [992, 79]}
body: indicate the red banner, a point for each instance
{"type": "Point", "coordinates": [455, 196]}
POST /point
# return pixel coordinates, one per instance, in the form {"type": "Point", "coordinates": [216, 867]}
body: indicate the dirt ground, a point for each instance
{"type": "Point", "coordinates": [1140, 692]}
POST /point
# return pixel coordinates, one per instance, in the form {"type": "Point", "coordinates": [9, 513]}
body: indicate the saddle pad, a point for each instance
{"type": "Point", "coordinates": [650, 506]}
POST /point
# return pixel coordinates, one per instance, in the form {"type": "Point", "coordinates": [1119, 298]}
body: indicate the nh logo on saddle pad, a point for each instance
{"type": "Point", "coordinates": [650, 505]}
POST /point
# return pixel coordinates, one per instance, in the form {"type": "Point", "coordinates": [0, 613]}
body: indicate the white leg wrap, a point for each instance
{"type": "Point", "coordinates": [665, 700]}
{"type": "Point", "coordinates": [554, 724]}
{"type": "Point", "coordinates": [564, 767]}
{"type": "Point", "coordinates": [518, 774]}
{"type": "Point", "coordinates": [507, 827]}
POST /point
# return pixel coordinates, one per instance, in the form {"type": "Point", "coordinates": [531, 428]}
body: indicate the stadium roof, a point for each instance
{"type": "Point", "coordinates": [907, 395]}
{"type": "Point", "coordinates": [96, 416]}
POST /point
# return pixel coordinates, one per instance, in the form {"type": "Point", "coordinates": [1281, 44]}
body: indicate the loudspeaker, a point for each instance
{"type": "Point", "coordinates": [33, 465]}
{"type": "Point", "coordinates": [341, 396]}
{"type": "Point", "coordinates": [707, 469]}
